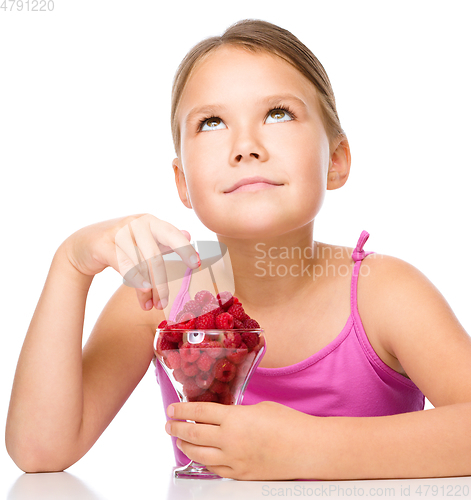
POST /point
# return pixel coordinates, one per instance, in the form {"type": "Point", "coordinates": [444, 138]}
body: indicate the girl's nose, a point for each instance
{"type": "Point", "coordinates": [248, 146]}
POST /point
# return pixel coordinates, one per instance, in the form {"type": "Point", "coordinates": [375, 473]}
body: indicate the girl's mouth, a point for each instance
{"type": "Point", "coordinates": [257, 186]}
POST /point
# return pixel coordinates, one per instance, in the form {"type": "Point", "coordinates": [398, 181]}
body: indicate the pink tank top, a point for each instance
{"type": "Point", "coordinates": [345, 378]}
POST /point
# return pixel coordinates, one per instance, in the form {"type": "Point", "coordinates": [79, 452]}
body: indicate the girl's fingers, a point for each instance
{"type": "Point", "coordinates": [130, 272]}
{"type": "Point", "coordinates": [172, 237]}
{"type": "Point", "coordinates": [140, 245]}
{"type": "Point", "coordinates": [145, 298]}
{"type": "Point", "coordinates": [153, 259]}
{"type": "Point", "coordinates": [130, 260]}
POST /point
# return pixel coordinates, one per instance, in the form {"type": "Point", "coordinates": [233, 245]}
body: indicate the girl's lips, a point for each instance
{"type": "Point", "coordinates": [257, 186]}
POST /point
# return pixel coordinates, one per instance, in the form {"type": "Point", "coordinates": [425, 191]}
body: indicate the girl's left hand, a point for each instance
{"type": "Point", "coordinates": [264, 441]}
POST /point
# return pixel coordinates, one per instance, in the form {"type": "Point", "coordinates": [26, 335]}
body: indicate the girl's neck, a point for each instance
{"type": "Point", "coordinates": [268, 272]}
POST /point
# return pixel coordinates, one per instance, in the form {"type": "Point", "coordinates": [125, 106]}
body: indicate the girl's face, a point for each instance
{"type": "Point", "coordinates": [248, 114]}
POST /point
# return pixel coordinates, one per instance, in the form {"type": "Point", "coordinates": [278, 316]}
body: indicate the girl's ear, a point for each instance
{"type": "Point", "coordinates": [181, 183]}
{"type": "Point", "coordinates": [339, 166]}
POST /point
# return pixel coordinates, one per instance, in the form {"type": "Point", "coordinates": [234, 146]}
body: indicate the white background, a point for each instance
{"type": "Point", "coordinates": [85, 137]}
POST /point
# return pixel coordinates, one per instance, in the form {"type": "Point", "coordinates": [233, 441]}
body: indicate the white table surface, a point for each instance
{"type": "Point", "coordinates": [136, 480]}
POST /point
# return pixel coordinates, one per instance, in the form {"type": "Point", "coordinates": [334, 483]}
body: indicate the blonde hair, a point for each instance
{"type": "Point", "coordinates": [257, 36]}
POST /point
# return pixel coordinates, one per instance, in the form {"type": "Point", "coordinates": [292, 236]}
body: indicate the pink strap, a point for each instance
{"type": "Point", "coordinates": [358, 255]}
{"type": "Point", "coordinates": [181, 295]}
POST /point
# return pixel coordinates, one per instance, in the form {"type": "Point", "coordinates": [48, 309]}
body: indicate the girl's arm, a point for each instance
{"type": "Point", "coordinates": [60, 404]}
{"type": "Point", "coordinates": [269, 441]}
{"type": "Point", "coordinates": [62, 400]}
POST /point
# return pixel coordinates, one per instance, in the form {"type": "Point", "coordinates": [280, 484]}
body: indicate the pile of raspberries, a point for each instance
{"type": "Point", "coordinates": [214, 369]}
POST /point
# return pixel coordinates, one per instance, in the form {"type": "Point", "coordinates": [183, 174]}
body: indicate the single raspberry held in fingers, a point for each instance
{"type": "Point", "coordinates": [225, 300]}
{"type": "Point", "coordinates": [205, 362]}
{"type": "Point", "coordinates": [238, 312]}
{"type": "Point", "coordinates": [225, 321]}
{"type": "Point", "coordinates": [224, 370]}
{"type": "Point", "coordinates": [205, 322]}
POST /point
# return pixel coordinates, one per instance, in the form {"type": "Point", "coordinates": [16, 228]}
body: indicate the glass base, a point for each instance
{"type": "Point", "coordinates": [194, 470]}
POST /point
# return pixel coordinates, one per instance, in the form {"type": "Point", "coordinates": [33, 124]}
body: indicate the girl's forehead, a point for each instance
{"type": "Point", "coordinates": [238, 73]}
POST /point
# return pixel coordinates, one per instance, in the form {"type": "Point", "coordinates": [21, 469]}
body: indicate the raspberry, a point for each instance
{"type": "Point", "coordinates": [250, 339]}
{"type": "Point", "coordinates": [189, 369]}
{"type": "Point", "coordinates": [189, 353]}
{"type": "Point", "coordinates": [173, 360]}
{"type": "Point", "coordinates": [204, 379]}
{"type": "Point", "coordinates": [237, 356]}
{"type": "Point", "coordinates": [217, 311]}
{"type": "Point", "coordinates": [204, 297]}
{"type": "Point", "coordinates": [205, 362]}
{"type": "Point", "coordinates": [205, 322]}
{"type": "Point", "coordinates": [225, 300]}
{"type": "Point", "coordinates": [232, 339]}
{"type": "Point", "coordinates": [208, 397]}
{"type": "Point", "coordinates": [227, 399]}
{"type": "Point", "coordinates": [224, 370]}
{"type": "Point", "coordinates": [185, 320]}
{"type": "Point", "coordinates": [179, 375]}
{"type": "Point", "coordinates": [238, 312]}
{"type": "Point", "coordinates": [212, 348]}
{"type": "Point", "coordinates": [238, 324]}
{"type": "Point", "coordinates": [224, 321]}
{"type": "Point", "coordinates": [173, 335]}
{"type": "Point", "coordinates": [251, 324]}
{"type": "Point", "coordinates": [219, 387]}
{"type": "Point", "coordinates": [162, 324]}
{"type": "Point", "coordinates": [190, 389]}
{"type": "Point", "coordinates": [164, 344]}
{"type": "Point", "coordinates": [209, 308]}
{"type": "Point", "coordinates": [192, 307]}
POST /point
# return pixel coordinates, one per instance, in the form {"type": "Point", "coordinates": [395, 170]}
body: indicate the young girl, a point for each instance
{"type": "Point", "coordinates": [355, 340]}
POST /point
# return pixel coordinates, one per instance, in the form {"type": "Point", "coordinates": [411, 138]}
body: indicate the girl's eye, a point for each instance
{"type": "Point", "coordinates": [278, 115]}
{"type": "Point", "coordinates": [212, 123]}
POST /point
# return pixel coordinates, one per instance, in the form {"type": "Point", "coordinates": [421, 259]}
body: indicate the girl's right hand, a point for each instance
{"type": "Point", "coordinates": [133, 246]}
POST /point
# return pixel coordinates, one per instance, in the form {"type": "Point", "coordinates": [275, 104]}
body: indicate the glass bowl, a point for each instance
{"type": "Point", "coordinates": [208, 365]}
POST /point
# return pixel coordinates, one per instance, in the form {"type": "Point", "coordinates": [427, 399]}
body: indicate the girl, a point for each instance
{"type": "Point", "coordinates": [258, 142]}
